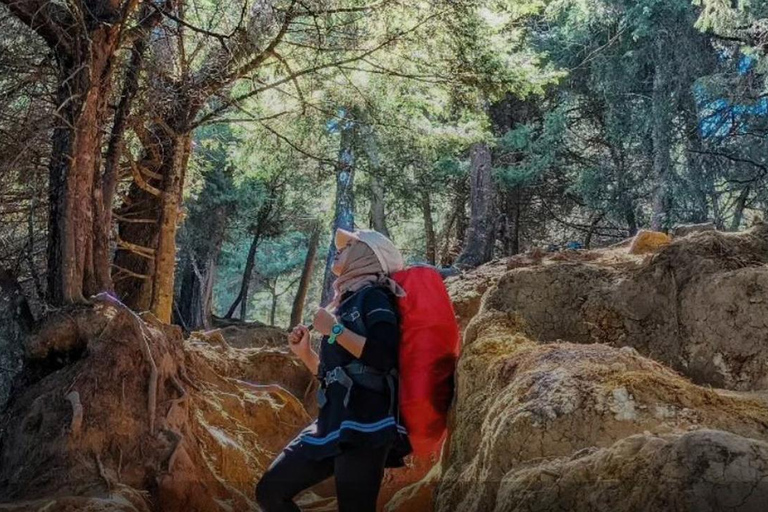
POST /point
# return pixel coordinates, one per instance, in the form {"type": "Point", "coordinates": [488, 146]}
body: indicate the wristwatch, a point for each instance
{"type": "Point", "coordinates": [336, 331]}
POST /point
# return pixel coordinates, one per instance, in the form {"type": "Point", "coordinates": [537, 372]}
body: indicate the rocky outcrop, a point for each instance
{"type": "Point", "coordinates": [114, 412]}
{"type": "Point", "coordinates": [522, 405]}
{"type": "Point", "coordinates": [646, 242]}
{"type": "Point", "coordinates": [699, 305]}
{"type": "Point", "coordinates": [566, 399]}
{"type": "Point", "coordinates": [701, 471]}
{"type": "Point", "coordinates": [272, 364]}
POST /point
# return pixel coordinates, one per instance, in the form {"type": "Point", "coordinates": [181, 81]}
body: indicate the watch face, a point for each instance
{"type": "Point", "coordinates": [337, 329]}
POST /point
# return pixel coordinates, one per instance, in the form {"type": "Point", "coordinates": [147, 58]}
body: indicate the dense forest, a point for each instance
{"type": "Point", "coordinates": [191, 157]}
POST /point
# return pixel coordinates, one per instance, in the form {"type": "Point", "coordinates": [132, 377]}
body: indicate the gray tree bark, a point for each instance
{"type": "Point", "coordinates": [429, 227]}
{"type": "Point", "coordinates": [344, 216]}
{"type": "Point", "coordinates": [478, 248]}
{"type": "Point", "coordinates": [370, 145]}
{"type": "Point", "coordinates": [662, 138]}
{"type": "Point", "coordinates": [306, 274]}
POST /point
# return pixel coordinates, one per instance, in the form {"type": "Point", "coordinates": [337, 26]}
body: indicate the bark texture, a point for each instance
{"type": "Point", "coordinates": [662, 139]}
{"type": "Point", "coordinates": [300, 299]}
{"type": "Point", "coordinates": [478, 248]}
{"type": "Point", "coordinates": [344, 216]}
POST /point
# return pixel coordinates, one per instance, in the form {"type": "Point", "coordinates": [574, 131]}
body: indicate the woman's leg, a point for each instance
{"type": "Point", "coordinates": [358, 473]}
{"type": "Point", "coordinates": [288, 475]}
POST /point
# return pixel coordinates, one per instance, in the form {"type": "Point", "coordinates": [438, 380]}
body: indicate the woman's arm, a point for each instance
{"type": "Point", "coordinates": [311, 361]}
{"type": "Point", "coordinates": [352, 342]}
{"type": "Point", "coordinates": [298, 341]}
{"type": "Point", "coordinates": [379, 349]}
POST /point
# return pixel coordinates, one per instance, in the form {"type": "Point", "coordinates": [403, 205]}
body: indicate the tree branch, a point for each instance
{"type": "Point", "coordinates": [313, 69]}
{"type": "Point", "coordinates": [46, 18]}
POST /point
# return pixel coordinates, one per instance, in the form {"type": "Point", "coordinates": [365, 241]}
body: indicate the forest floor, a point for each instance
{"type": "Point", "coordinates": [584, 376]}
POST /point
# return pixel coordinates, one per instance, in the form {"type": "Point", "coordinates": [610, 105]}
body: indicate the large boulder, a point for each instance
{"type": "Point", "coordinates": [700, 305]}
{"type": "Point", "coordinates": [701, 471]}
{"type": "Point", "coordinates": [520, 403]}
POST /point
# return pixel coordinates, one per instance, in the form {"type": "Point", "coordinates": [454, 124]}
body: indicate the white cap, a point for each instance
{"type": "Point", "coordinates": [388, 255]}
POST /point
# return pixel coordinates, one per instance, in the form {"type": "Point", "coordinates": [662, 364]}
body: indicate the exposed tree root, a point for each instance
{"type": "Point", "coordinates": [179, 439]}
{"type": "Point", "coordinates": [152, 391]}
{"type": "Point", "coordinates": [102, 473]}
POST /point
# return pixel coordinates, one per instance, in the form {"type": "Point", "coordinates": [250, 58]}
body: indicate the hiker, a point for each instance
{"type": "Point", "coordinates": [358, 432]}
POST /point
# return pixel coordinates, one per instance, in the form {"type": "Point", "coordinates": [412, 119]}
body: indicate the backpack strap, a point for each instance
{"type": "Point", "coordinates": [353, 310]}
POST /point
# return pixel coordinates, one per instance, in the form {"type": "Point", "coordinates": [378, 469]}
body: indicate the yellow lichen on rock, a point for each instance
{"type": "Point", "coordinates": [648, 241]}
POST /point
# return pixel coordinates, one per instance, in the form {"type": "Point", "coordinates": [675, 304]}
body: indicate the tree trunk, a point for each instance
{"type": "Point", "coordinates": [456, 228]}
{"type": "Point", "coordinates": [378, 214]}
{"type": "Point", "coordinates": [429, 228]}
{"type": "Point", "coordinates": [190, 301]}
{"type": "Point", "coordinates": [165, 254]}
{"type": "Point", "coordinates": [250, 263]}
{"type": "Point", "coordinates": [460, 205]}
{"type": "Point", "coordinates": [662, 139]}
{"type": "Point", "coordinates": [592, 227]}
{"type": "Point", "coordinates": [511, 226]}
{"type": "Point", "coordinates": [344, 216]}
{"type": "Point", "coordinates": [146, 250]}
{"type": "Point", "coordinates": [107, 184]}
{"type": "Point", "coordinates": [630, 218]}
{"type": "Point", "coordinates": [698, 170]}
{"type": "Point", "coordinates": [300, 299]}
{"type": "Point", "coordinates": [445, 236]}
{"type": "Point", "coordinates": [741, 203]}
{"type": "Point", "coordinates": [83, 41]}
{"type": "Point", "coordinates": [263, 218]}
{"type": "Point", "coordinates": [478, 248]}
{"type": "Point", "coordinates": [85, 81]}
{"type": "Point", "coordinates": [378, 204]}
{"type": "Point", "coordinates": [273, 306]}
{"type": "Point", "coordinates": [195, 298]}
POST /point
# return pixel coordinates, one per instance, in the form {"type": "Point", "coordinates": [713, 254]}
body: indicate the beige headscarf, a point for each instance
{"type": "Point", "coordinates": [361, 268]}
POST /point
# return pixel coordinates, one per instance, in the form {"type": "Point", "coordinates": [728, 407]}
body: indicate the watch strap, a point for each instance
{"type": "Point", "coordinates": [336, 331]}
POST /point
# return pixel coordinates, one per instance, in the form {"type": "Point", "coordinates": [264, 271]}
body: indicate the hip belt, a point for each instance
{"type": "Point", "coordinates": [358, 374]}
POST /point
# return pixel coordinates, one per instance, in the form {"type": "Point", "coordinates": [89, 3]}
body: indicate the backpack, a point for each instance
{"type": "Point", "coordinates": [429, 349]}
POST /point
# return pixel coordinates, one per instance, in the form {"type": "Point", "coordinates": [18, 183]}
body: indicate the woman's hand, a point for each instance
{"type": "Point", "coordinates": [324, 321]}
{"type": "Point", "coordinates": [298, 341]}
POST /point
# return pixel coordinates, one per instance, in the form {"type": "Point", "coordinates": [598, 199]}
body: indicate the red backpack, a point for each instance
{"type": "Point", "coordinates": [429, 348]}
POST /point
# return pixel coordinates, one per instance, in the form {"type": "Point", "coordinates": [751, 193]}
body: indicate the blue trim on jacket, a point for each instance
{"type": "Point", "coordinates": [353, 425]}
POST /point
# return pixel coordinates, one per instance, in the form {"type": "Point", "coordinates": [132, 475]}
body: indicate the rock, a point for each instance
{"type": "Point", "coordinates": [255, 366]}
{"type": "Point", "coordinates": [249, 335]}
{"type": "Point", "coordinates": [648, 241]}
{"type": "Point", "coordinates": [418, 496]}
{"type": "Point", "coordinates": [700, 305]}
{"type": "Point", "coordinates": [467, 289]}
{"type": "Point", "coordinates": [151, 418]}
{"type": "Point", "coordinates": [521, 403]}
{"type": "Point", "coordinates": [703, 471]}
{"type": "Point", "coordinates": [687, 229]}
{"type": "Point", "coordinates": [417, 470]}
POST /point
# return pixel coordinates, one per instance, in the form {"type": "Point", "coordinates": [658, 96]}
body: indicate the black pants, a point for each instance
{"type": "Point", "coordinates": [358, 472]}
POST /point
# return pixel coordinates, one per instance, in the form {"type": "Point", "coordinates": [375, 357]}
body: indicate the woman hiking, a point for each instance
{"type": "Point", "coordinates": [357, 433]}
